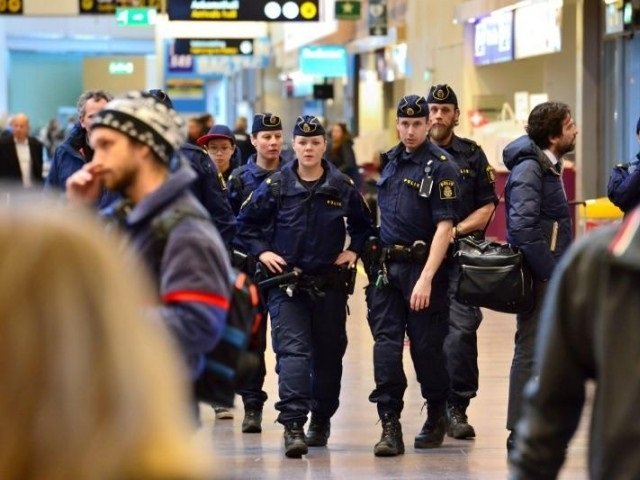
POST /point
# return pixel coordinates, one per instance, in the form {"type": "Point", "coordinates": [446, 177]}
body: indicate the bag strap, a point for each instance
{"type": "Point", "coordinates": [495, 207]}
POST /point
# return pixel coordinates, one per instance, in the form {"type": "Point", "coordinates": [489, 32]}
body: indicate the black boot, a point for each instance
{"type": "Point", "coordinates": [458, 424]}
{"type": "Point", "coordinates": [390, 443]}
{"type": "Point", "coordinates": [432, 433]}
{"type": "Point", "coordinates": [318, 432]}
{"type": "Point", "coordinates": [252, 422]}
{"type": "Point", "coordinates": [294, 443]}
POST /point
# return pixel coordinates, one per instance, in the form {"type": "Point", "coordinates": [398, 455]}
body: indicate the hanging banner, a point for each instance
{"type": "Point", "coordinates": [244, 10]}
{"type": "Point", "coordinates": [108, 7]}
{"type": "Point", "coordinates": [378, 17]}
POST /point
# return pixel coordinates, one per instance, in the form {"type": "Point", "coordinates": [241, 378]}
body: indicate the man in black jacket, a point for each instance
{"type": "Point", "coordinates": [21, 154]}
{"type": "Point", "coordinates": [589, 331]}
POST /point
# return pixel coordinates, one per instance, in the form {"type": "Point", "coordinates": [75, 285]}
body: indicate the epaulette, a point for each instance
{"type": "Point", "coordinates": [473, 146]}
{"type": "Point", "coordinates": [348, 179]}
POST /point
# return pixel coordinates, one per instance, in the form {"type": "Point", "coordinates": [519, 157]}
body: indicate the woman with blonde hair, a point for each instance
{"type": "Point", "coordinates": [91, 384]}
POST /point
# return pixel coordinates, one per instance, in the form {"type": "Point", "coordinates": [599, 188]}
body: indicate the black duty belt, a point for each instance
{"type": "Point", "coordinates": [416, 253]}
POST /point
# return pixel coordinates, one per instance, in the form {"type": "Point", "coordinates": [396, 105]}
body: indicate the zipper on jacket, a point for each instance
{"type": "Point", "coordinates": [554, 237]}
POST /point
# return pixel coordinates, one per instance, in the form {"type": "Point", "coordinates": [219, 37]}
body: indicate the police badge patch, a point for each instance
{"type": "Point", "coordinates": [447, 190]}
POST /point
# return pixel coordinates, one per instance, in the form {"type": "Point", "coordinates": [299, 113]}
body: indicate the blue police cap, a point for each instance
{"type": "Point", "coordinates": [442, 93]}
{"type": "Point", "coordinates": [265, 122]}
{"type": "Point", "coordinates": [308, 126]}
{"type": "Point", "coordinates": [412, 106]}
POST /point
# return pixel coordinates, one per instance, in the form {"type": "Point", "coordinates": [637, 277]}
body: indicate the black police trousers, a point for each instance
{"type": "Point", "coordinates": [309, 339]}
{"type": "Point", "coordinates": [389, 318]}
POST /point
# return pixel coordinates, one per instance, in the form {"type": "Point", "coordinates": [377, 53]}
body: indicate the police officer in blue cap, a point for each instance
{"type": "Point", "coordinates": [418, 199]}
{"type": "Point", "coordinates": [477, 202]}
{"type": "Point", "coordinates": [304, 206]}
{"type": "Point", "coordinates": [266, 137]}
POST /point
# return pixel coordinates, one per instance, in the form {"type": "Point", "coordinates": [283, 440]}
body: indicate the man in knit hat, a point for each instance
{"type": "Point", "coordinates": [134, 138]}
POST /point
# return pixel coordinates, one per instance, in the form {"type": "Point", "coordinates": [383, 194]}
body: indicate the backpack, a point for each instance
{"type": "Point", "coordinates": [236, 356]}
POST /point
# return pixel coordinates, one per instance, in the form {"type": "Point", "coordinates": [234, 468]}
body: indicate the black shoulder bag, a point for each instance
{"type": "Point", "coordinates": [493, 275]}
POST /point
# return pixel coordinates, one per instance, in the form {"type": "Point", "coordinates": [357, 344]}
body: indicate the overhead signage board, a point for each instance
{"type": "Point", "coordinates": [324, 60]}
{"type": "Point", "coordinates": [108, 7]}
{"type": "Point", "coordinates": [11, 7]}
{"type": "Point", "coordinates": [537, 29]}
{"type": "Point", "coordinates": [377, 18]}
{"type": "Point", "coordinates": [244, 10]}
{"type": "Point", "coordinates": [218, 46]}
{"type": "Point", "coordinates": [493, 42]}
{"type": "Point", "coordinates": [135, 17]}
{"type": "Point", "coordinates": [348, 9]}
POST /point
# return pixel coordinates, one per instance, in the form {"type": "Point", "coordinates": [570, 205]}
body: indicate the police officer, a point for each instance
{"type": "Point", "coordinates": [304, 206]}
{"type": "Point", "coordinates": [477, 202]}
{"type": "Point", "coordinates": [266, 136]}
{"type": "Point", "coordinates": [418, 199]}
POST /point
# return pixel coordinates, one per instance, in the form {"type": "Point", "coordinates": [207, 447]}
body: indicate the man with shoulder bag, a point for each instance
{"type": "Point", "coordinates": [538, 223]}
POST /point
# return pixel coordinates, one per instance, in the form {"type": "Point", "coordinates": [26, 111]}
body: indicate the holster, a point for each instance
{"type": "Point", "coordinates": [244, 262]}
{"type": "Point", "coordinates": [371, 255]}
{"type": "Point", "coordinates": [336, 278]}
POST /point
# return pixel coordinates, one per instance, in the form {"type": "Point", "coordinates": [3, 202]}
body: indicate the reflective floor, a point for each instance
{"type": "Point", "coordinates": [354, 429]}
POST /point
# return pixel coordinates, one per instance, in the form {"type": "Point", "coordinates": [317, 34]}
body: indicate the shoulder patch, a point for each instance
{"type": "Point", "coordinates": [491, 174]}
{"type": "Point", "coordinates": [447, 190]}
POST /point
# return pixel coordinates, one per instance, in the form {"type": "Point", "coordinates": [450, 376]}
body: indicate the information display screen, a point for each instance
{"type": "Point", "coordinates": [244, 10]}
{"type": "Point", "coordinates": [493, 42]}
{"type": "Point", "coordinates": [537, 29]}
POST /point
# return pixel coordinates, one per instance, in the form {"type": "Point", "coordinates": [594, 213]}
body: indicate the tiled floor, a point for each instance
{"type": "Point", "coordinates": [354, 428]}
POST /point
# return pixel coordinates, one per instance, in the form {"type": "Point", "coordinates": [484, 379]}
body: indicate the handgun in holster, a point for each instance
{"type": "Point", "coordinates": [371, 255]}
{"type": "Point", "coordinates": [287, 281]}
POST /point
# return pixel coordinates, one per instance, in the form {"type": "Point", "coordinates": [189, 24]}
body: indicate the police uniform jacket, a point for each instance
{"type": "Point", "coordinates": [191, 271]}
{"type": "Point", "coordinates": [244, 180]}
{"type": "Point", "coordinates": [538, 216]}
{"type": "Point", "coordinates": [475, 176]}
{"type": "Point", "coordinates": [307, 227]}
{"type": "Point", "coordinates": [405, 215]}
{"type": "Point", "coordinates": [623, 188]}
{"type": "Point", "coordinates": [589, 331]}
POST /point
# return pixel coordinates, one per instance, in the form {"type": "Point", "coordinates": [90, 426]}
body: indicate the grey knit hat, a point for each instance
{"type": "Point", "coordinates": [142, 117]}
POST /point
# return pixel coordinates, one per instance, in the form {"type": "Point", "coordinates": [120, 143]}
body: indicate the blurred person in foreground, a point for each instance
{"type": "Point", "coordinates": [589, 331]}
{"type": "Point", "coordinates": [134, 138]}
{"type": "Point", "coordinates": [538, 223]}
{"type": "Point", "coordinates": [91, 384]}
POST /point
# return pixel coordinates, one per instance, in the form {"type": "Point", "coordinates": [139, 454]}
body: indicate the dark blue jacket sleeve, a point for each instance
{"type": "Point", "coordinates": [623, 188]}
{"type": "Point", "coordinates": [359, 221]}
{"type": "Point", "coordinates": [525, 230]}
{"type": "Point", "coordinates": [257, 216]}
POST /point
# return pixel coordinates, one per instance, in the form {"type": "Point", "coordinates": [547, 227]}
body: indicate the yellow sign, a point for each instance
{"type": "Point", "coordinates": [308, 10]}
{"type": "Point", "coordinates": [10, 7]}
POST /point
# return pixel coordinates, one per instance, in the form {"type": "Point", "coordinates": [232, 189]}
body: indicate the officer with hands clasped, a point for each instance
{"type": "Point", "coordinates": [418, 199]}
{"type": "Point", "coordinates": [477, 203]}
{"type": "Point", "coordinates": [304, 206]}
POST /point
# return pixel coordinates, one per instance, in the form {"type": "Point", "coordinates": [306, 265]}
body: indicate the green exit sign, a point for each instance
{"type": "Point", "coordinates": [135, 17]}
